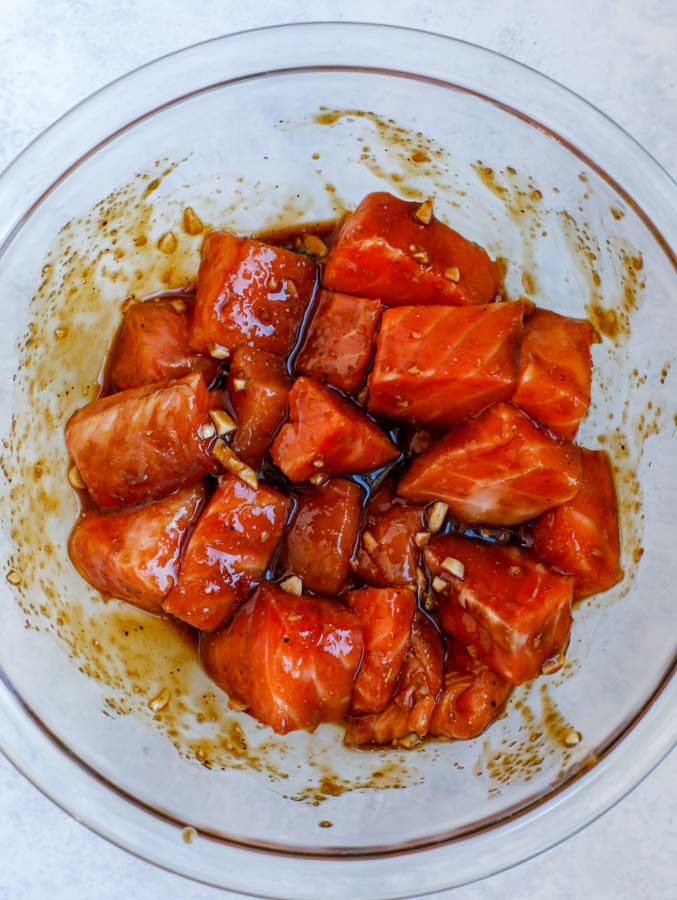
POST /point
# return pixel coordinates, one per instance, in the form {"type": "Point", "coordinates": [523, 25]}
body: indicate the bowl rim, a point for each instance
{"type": "Point", "coordinates": [13, 708]}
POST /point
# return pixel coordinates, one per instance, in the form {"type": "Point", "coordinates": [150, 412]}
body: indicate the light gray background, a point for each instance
{"type": "Point", "coordinates": [619, 54]}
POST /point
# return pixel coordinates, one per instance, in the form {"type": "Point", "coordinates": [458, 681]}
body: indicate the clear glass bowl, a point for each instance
{"type": "Point", "coordinates": [274, 126]}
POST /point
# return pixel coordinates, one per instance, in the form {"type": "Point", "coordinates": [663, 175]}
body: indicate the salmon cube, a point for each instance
{"type": "Point", "coordinates": [327, 435]}
{"type": "Point", "coordinates": [152, 344]}
{"type": "Point", "coordinates": [143, 443]}
{"type": "Point", "coordinates": [386, 615]}
{"type": "Point", "coordinates": [555, 371]}
{"type": "Point", "coordinates": [406, 719]}
{"type": "Point", "coordinates": [228, 552]}
{"type": "Point", "coordinates": [472, 696]}
{"type": "Point", "coordinates": [506, 607]}
{"type": "Point", "coordinates": [133, 554]}
{"type": "Point", "coordinates": [496, 469]}
{"type": "Point", "coordinates": [320, 542]}
{"type": "Point", "coordinates": [290, 660]}
{"type": "Point", "coordinates": [388, 553]}
{"type": "Point", "coordinates": [339, 342]}
{"type": "Point", "coordinates": [386, 252]}
{"type": "Point", "coordinates": [258, 387]}
{"type": "Point", "coordinates": [249, 293]}
{"type": "Point", "coordinates": [582, 537]}
{"type": "Point", "coordinates": [437, 365]}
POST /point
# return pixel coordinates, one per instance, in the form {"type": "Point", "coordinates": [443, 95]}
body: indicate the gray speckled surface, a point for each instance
{"type": "Point", "coordinates": [620, 56]}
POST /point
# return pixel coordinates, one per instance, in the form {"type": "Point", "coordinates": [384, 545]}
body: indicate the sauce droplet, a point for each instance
{"type": "Point", "coordinates": [192, 223]}
{"type": "Point", "coordinates": [160, 701]}
{"type": "Point", "coordinates": [167, 242]}
{"type": "Point", "coordinates": [571, 738]}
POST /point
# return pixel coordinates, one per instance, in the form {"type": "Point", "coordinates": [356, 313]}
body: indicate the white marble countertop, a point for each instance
{"type": "Point", "coordinates": [620, 55]}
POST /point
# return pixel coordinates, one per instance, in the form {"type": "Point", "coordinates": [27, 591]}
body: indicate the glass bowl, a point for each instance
{"type": "Point", "coordinates": [268, 128]}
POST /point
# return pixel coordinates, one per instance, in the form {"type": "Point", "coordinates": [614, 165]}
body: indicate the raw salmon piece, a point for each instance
{"type": "Point", "coordinates": [339, 342]}
{"type": "Point", "coordinates": [143, 443]}
{"type": "Point", "coordinates": [249, 293]}
{"type": "Point", "coordinates": [386, 615]}
{"type": "Point", "coordinates": [258, 387]}
{"type": "Point", "coordinates": [496, 469]}
{"type": "Point", "coordinates": [291, 660]}
{"type": "Point", "coordinates": [320, 541]}
{"type": "Point", "coordinates": [582, 537]}
{"type": "Point", "coordinates": [407, 717]}
{"type": "Point", "coordinates": [555, 371]}
{"type": "Point", "coordinates": [437, 365]}
{"type": "Point", "coordinates": [327, 434]}
{"type": "Point", "coordinates": [506, 607]}
{"type": "Point", "coordinates": [152, 344]}
{"type": "Point", "coordinates": [228, 552]}
{"type": "Point", "coordinates": [472, 696]}
{"type": "Point", "coordinates": [388, 553]}
{"type": "Point", "coordinates": [385, 252]}
{"type": "Point", "coordinates": [133, 554]}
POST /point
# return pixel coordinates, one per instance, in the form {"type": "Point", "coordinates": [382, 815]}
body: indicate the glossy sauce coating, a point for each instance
{"type": "Point", "coordinates": [339, 499]}
{"type": "Point", "coordinates": [258, 388]}
{"type": "Point", "coordinates": [228, 552]}
{"type": "Point", "coordinates": [321, 539]}
{"type": "Point", "coordinates": [249, 294]}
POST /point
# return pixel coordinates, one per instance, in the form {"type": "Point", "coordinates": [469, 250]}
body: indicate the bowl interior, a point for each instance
{"type": "Point", "coordinates": [275, 149]}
